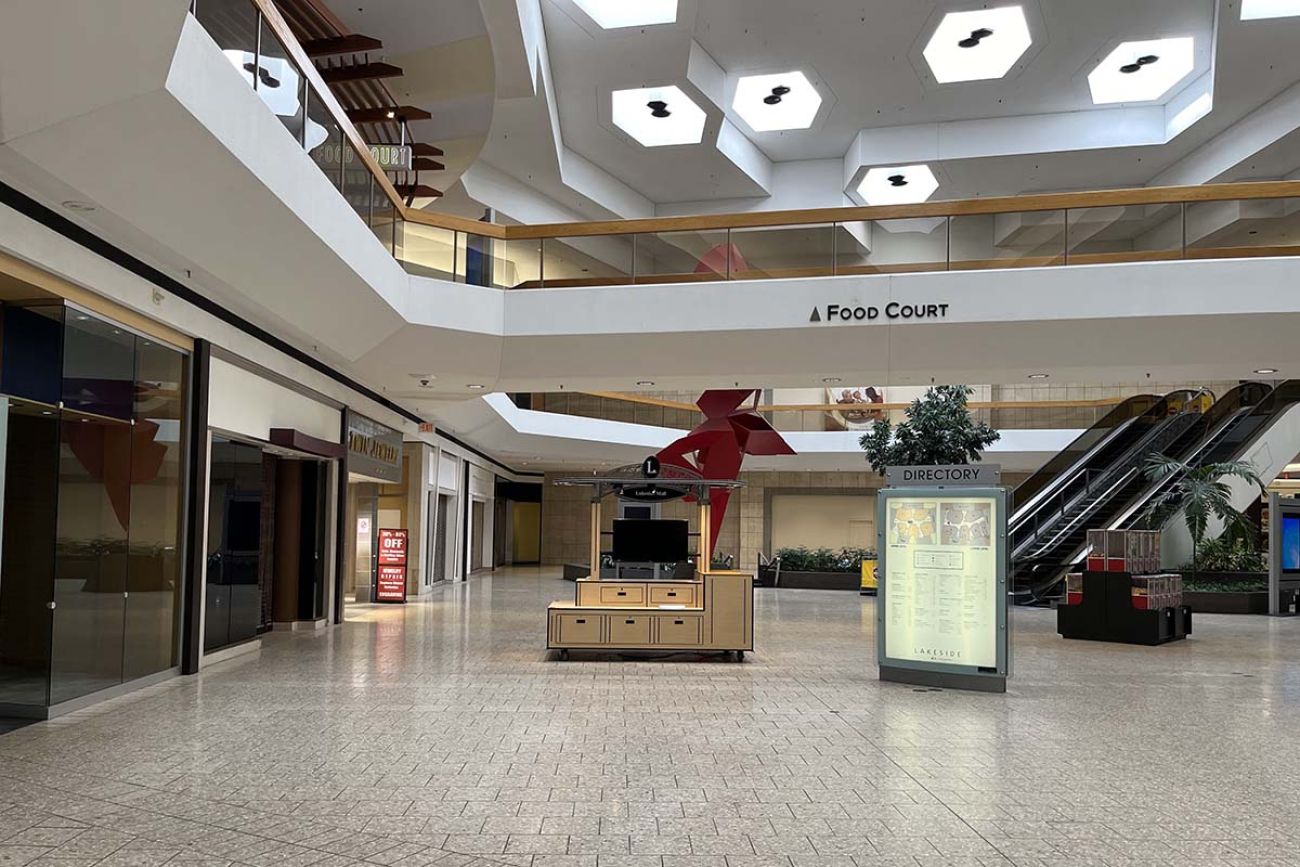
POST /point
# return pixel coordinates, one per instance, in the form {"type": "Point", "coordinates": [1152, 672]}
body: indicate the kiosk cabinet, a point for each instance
{"type": "Point", "coordinates": [714, 612]}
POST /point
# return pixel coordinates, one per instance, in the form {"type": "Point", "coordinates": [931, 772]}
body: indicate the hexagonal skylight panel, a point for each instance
{"type": "Point", "coordinates": [611, 14]}
{"type": "Point", "coordinates": [785, 100]}
{"type": "Point", "coordinates": [658, 116]}
{"type": "Point", "coordinates": [1253, 10]}
{"type": "Point", "coordinates": [899, 185]}
{"type": "Point", "coordinates": [1143, 70]}
{"type": "Point", "coordinates": [978, 45]}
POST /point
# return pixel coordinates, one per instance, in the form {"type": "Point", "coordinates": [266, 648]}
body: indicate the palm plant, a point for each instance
{"type": "Point", "coordinates": [1199, 493]}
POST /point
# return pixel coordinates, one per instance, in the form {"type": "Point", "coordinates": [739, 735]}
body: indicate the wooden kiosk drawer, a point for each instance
{"type": "Point", "coordinates": [607, 593]}
{"type": "Point", "coordinates": [629, 630]}
{"type": "Point", "coordinates": [673, 594]}
{"type": "Point", "coordinates": [579, 628]}
{"type": "Point", "coordinates": [679, 629]}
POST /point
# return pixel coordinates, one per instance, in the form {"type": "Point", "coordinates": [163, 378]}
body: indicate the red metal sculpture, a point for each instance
{"type": "Point", "coordinates": [716, 448]}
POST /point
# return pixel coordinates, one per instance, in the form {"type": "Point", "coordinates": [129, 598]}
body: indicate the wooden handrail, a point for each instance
{"type": "Point", "coordinates": [284, 33]}
{"type": "Point", "coordinates": [663, 403]}
{"type": "Point", "coordinates": [821, 216]}
{"type": "Point", "coordinates": [1037, 202]}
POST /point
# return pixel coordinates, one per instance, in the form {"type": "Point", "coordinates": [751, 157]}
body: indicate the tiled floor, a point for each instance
{"type": "Point", "coordinates": [441, 730]}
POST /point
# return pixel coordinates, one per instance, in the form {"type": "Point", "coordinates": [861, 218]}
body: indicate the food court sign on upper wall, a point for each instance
{"type": "Point", "coordinates": [893, 311]}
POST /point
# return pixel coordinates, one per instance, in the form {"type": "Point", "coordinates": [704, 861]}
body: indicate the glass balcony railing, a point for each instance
{"type": "Point", "coordinates": [1042, 414]}
{"type": "Point", "coordinates": [1218, 221]}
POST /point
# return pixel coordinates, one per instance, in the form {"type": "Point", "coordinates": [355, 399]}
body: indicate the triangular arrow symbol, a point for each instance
{"type": "Point", "coordinates": [816, 317]}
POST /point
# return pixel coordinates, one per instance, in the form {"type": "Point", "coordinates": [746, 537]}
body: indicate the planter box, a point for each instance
{"type": "Point", "coordinates": [1247, 602]}
{"type": "Point", "coordinates": [820, 580]}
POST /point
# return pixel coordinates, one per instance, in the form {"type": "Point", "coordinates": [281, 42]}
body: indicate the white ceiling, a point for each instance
{"type": "Point", "coordinates": [866, 60]}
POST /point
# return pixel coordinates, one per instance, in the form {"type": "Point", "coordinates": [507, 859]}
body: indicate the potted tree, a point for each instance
{"type": "Point", "coordinates": [1199, 493]}
{"type": "Point", "coordinates": [939, 430]}
{"type": "Point", "coordinates": [1229, 574]}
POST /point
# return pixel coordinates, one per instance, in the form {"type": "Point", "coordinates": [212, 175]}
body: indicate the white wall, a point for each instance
{"type": "Point", "coordinates": [243, 402]}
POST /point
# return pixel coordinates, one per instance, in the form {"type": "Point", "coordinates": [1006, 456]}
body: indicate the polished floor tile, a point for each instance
{"type": "Point", "coordinates": [441, 732]}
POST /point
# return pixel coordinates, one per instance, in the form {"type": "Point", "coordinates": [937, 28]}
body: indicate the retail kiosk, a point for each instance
{"type": "Point", "coordinates": [711, 612]}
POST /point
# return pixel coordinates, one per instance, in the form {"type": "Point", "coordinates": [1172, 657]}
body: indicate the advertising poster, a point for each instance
{"type": "Point", "coordinates": [390, 584]}
{"type": "Point", "coordinates": [941, 577]}
{"type": "Point", "coordinates": [390, 579]}
{"type": "Point", "coordinates": [392, 547]}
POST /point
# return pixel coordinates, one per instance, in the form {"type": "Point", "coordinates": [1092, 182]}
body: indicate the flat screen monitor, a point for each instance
{"type": "Point", "coordinates": [650, 541]}
{"type": "Point", "coordinates": [1291, 543]}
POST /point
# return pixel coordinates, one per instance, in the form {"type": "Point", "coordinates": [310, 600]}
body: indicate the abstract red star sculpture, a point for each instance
{"type": "Point", "coordinates": [716, 447]}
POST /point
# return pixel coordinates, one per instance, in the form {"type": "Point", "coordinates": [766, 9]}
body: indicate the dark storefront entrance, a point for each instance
{"type": "Point", "coordinates": [90, 570]}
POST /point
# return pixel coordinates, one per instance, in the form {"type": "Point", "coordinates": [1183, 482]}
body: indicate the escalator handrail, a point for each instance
{"type": "Point", "coordinates": [1157, 417]}
{"type": "Point", "coordinates": [1086, 444]}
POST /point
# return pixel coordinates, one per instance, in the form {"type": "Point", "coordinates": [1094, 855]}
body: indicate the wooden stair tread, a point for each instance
{"type": "Point", "coordinates": [359, 72]}
{"type": "Point", "coordinates": [380, 115]}
{"type": "Point", "coordinates": [353, 43]}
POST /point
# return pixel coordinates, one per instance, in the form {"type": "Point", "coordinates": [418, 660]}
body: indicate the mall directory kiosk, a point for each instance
{"type": "Point", "coordinates": [942, 604]}
{"type": "Point", "coordinates": [711, 612]}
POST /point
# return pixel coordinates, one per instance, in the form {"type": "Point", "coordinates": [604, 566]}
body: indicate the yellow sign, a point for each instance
{"type": "Point", "coordinates": [941, 580]}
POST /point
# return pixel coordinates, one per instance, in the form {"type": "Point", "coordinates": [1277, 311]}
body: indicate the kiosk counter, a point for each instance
{"type": "Point", "coordinates": [712, 612]}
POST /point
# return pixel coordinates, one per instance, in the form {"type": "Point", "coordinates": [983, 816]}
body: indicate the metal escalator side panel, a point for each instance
{"type": "Point", "coordinates": [1086, 443]}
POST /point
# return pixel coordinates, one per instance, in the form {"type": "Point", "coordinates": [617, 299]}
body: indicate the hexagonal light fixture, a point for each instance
{"type": "Point", "coordinates": [612, 14]}
{"type": "Point", "coordinates": [658, 116]}
{"type": "Point", "coordinates": [1254, 10]}
{"type": "Point", "coordinates": [1142, 70]}
{"type": "Point", "coordinates": [978, 45]}
{"type": "Point", "coordinates": [784, 100]}
{"type": "Point", "coordinates": [899, 185]}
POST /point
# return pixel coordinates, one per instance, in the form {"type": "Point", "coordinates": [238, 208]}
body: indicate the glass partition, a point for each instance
{"type": "Point", "coordinates": [1243, 228]}
{"type": "Point", "coordinates": [1134, 233]}
{"type": "Point", "coordinates": [429, 251]}
{"type": "Point", "coordinates": [891, 246]}
{"type": "Point", "coordinates": [595, 260]}
{"type": "Point", "coordinates": [324, 139]}
{"type": "Point", "coordinates": [1029, 239]}
{"type": "Point", "coordinates": [280, 84]}
{"type": "Point", "coordinates": [782, 251]}
{"type": "Point", "coordinates": [683, 257]}
{"type": "Point", "coordinates": [514, 264]}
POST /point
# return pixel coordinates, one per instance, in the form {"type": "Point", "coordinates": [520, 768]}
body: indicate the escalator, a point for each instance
{"type": "Point", "coordinates": [1094, 484]}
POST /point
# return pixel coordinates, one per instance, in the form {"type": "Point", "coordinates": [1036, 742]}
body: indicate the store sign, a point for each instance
{"type": "Point", "coordinates": [374, 450]}
{"type": "Point", "coordinates": [892, 311]}
{"type": "Point", "coordinates": [942, 604]}
{"type": "Point", "coordinates": [390, 580]}
{"type": "Point", "coordinates": [945, 476]}
{"type": "Point", "coordinates": [391, 157]}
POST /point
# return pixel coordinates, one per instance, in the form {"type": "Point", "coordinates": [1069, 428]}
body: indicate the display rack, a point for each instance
{"type": "Point", "coordinates": [1105, 611]}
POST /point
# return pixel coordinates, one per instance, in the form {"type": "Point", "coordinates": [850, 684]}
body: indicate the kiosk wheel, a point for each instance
{"type": "Point", "coordinates": [564, 655]}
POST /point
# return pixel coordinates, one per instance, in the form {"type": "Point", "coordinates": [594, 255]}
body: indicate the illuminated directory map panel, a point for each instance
{"type": "Point", "coordinates": [943, 583]}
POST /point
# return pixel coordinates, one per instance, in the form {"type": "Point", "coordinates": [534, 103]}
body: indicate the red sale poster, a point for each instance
{"type": "Point", "coordinates": [390, 582]}
{"type": "Point", "coordinates": [392, 547]}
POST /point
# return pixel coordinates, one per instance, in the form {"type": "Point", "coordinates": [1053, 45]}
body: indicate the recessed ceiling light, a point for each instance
{"type": "Point", "coordinates": [898, 185]}
{"type": "Point", "coordinates": [390, 114]}
{"type": "Point", "coordinates": [611, 14]}
{"type": "Point", "coordinates": [645, 383]}
{"type": "Point", "coordinates": [1142, 71]}
{"type": "Point", "coordinates": [474, 386]}
{"type": "Point", "coordinates": [784, 100]}
{"type": "Point", "coordinates": [1253, 10]}
{"type": "Point", "coordinates": [1039, 375]}
{"type": "Point", "coordinates": [74, 205]}
{"type": "Point", "coordinates": [978, 45]}
{"type": "Point", "coordinates": [1266, 371]}
{"type": "Point", "coordinates": [658, 116]}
